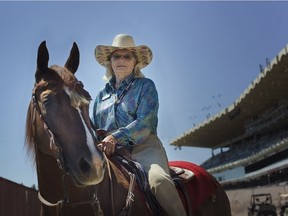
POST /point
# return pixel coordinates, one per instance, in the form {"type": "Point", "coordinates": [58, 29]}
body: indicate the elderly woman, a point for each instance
{"type": "Point", "coordinates": [127, 108]}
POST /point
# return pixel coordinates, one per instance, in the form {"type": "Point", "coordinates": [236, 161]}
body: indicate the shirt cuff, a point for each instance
{"type": "Point", "coordinates": [121, 138]}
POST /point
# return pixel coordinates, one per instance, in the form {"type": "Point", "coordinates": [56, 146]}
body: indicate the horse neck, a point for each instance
{"type": "Point", "coordinates": [51, 187]}
{"type": "Point", "coordinates": [115, 186]}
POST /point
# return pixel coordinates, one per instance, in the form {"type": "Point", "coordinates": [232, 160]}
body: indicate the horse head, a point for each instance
{"type": "Point", "coordinates": [58, 122]}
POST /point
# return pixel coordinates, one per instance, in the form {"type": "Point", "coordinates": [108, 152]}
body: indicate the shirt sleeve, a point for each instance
{"type": "Point", "coordinates": [146, 117]}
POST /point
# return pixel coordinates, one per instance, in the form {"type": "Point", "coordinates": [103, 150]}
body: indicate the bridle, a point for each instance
{"type": "Point", "coordinates": [56, 147]}
{"type": "Point", "coordinates": [94, 202]}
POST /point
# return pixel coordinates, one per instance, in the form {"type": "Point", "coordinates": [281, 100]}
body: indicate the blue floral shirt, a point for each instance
{"type": "Point", "coordinates": [129, 115]}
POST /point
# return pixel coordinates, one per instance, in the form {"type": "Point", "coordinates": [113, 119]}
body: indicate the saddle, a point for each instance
{"type": "Point", "coordinates": [179, 175]}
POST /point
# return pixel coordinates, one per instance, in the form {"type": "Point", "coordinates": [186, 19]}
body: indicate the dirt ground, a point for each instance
{"type": "Point", "coordinates": [240, 199]}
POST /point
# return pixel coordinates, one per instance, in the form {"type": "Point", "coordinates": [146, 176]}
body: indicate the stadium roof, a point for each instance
{"type": "Point", "coordinates": [266, 91]}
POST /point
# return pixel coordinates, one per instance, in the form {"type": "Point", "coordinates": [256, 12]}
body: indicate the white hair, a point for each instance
{"type": "Point", "coordinates": [109, 71]}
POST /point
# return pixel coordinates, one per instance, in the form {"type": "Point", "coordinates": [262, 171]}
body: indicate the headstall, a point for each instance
{"type": "Point", "coordinates": [55, 146]}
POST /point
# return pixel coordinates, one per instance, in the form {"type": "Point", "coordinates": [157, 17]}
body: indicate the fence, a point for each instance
{"type": "Point", "coordinates": [18, 200]}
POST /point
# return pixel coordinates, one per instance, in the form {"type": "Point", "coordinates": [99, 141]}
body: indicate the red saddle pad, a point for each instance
{"type": "Point", "coordinates": [200, 187]}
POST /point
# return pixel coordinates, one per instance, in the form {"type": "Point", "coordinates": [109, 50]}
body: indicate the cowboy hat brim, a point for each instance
{"type": "Point", "coordinates": [143, 53]}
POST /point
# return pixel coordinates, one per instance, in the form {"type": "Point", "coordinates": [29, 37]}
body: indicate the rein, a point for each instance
{"type": "Point", "coordinates": [126, 210]}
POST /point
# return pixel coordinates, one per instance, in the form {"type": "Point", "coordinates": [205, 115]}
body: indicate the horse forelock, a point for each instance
{"type": "Point", "coordinates": [68, 78]}
{"type": "Point", "coordinates": [70, 83]}
{"type": "Point", "coordinates": [76, 99]}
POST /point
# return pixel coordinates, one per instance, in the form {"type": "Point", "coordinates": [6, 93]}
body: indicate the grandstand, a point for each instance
{"type": "Point", "coordinates": [251, 135]}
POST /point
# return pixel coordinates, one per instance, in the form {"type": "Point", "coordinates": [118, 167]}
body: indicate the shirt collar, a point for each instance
{"type": "Point", "coordinates": [124, 82]}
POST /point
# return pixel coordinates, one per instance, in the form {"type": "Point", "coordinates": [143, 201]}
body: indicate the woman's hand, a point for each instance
{"type": "Point", "coordinates": [108, 145]}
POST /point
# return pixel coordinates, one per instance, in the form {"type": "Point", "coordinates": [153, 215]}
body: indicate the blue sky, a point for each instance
{"type": "Point", "coordinates": [205, 55]}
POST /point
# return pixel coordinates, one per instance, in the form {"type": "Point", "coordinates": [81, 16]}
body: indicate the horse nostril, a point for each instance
{"type": "Point", "coordinates": [84, 165]}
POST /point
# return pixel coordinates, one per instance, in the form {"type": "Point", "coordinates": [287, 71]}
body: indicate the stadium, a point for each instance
{"type": "Point", "coordinates": [249, 139]}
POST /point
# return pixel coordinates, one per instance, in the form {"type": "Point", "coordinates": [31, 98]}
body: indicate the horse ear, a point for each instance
{"type": "Point", "coordinates": [42, 61]}
{"type": "Point", "coordinates": [72, 62]}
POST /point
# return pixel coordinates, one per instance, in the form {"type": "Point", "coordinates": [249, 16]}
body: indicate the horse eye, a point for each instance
{"type": "Point", "coordinates": [46, 102]}
{"type": "Point", "coordinates": [45, 99]}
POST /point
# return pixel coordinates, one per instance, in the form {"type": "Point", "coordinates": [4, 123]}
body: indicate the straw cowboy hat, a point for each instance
{"type": "Point", "coordinates": [123, 41]}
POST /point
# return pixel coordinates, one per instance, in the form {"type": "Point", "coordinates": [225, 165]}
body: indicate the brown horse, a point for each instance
{"type": "Point", "coordinates": [74, 176]}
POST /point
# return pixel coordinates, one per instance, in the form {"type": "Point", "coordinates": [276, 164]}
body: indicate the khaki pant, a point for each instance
{"type": "Point", "coordinates": [151, 154]}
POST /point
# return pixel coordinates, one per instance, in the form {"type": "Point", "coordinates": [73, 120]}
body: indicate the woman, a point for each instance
{"type": "Point", "coordinates": [127, 108]}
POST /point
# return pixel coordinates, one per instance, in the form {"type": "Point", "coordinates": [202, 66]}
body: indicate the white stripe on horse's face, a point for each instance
{"type": "Point", "coordinates": [97, 158]}
{"type": "Point", "coordinates": [89, 138]}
